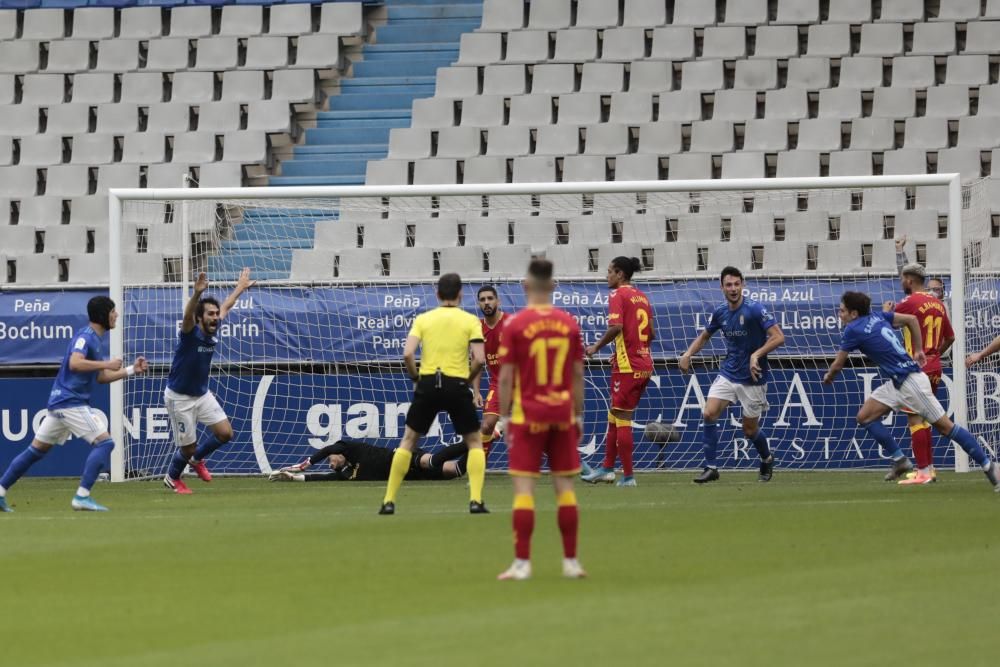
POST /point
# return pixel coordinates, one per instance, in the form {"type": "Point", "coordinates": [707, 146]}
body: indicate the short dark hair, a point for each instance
{"type": "Point", "coordinates": [209, 300]}
{"type": "Point", "coordinates": [487, 288]}
{"type": "Point", "coordinates": [449, 285]}
{"type": "Point", "coordinates": [858, 302]}
{"type": "Point", "coordinates": [730, 271]}
{"type": "Point", "coordinates": [541, 269]}
{"type": "Point", "coordinates": [99, 310]}
{"type": "Point", "coordinates": [627, 265]}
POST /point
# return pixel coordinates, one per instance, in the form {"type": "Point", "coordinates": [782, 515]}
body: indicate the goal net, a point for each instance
{"type": "Point", "coordinates": [312, 353]}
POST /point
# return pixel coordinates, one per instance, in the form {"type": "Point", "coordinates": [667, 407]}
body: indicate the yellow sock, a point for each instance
{"type": "Point", "coordinates": [566, 499]}
{"type": "Point", "coordinates": [487, 438]}
{"type": "Point", "coordinates": [524, 501]}
{"type": "Point", "coordinates": [477, 474]}
{"type": "Point", "coordinates": [400, 465]}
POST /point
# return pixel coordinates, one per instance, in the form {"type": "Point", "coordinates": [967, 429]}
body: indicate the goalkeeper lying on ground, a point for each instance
{"type": "Point", "coordinates": [361, 462]}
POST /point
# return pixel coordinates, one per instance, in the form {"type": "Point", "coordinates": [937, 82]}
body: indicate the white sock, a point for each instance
{"type": "Point", "coordinates": [3, 492]}
{"type": "Point", "coordinates": [82, 492]}
{"type": "Point", "coordinates": [986, 466]}
{"type": "Point", "coordinates": [520, 562]}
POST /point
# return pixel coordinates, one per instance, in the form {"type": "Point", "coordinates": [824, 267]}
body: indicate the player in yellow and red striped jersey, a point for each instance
{"type": "Point", "coordinates": [937, 334]}
{"type": "Point", "coordinates": [630, 326]}
{"type": "Point", "coordinates": [541, 397]}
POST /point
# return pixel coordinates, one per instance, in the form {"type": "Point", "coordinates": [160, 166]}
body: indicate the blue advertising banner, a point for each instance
{"type": "Point", "coordinates": [35, 327]}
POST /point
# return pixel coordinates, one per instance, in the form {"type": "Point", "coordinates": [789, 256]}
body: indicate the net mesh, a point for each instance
{"type": "Point", "coordinates": [312, 353]}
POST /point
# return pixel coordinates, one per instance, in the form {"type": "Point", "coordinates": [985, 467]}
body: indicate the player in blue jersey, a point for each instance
{"type": "Point", "coordinates": [69, 411]}
{"type": "Point", "coordinates": [906, 386]}
{"type": "Point", "coordinates": [189, 402]}
{"type": "Point", "coordinates": [751, 333]}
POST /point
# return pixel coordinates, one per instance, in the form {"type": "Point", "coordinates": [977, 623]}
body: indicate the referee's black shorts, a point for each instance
{"type": "Point", "coordinates": [451, 395]}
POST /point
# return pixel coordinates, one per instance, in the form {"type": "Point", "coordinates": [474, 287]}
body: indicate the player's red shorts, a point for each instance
{"type": "Point", "coordinates": [627, 388]}
{"type": "Point", "coordinates": [492, 404]}
{"type": "Point", "coordinates": [526, 443]}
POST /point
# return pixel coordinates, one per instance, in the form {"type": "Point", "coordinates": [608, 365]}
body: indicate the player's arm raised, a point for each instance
{"type": "Point", "coordinates": [900, 320]}
{"type": "Point", "coordinates": [987, 351]}
{"type": "Point", "coordinates": [775, 339]}
{"type": "Point", "coordinates": [242, 285]}
{"type": "Point", "coordinates": [838, 365]}
{"type": "Point", "coordinates": [684, 361]}
{"type": "Point", "coordinates": [191, 307]}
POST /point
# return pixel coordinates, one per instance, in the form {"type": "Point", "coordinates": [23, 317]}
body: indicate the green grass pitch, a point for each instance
{"type": "Point", "coordinates": [812, 569]}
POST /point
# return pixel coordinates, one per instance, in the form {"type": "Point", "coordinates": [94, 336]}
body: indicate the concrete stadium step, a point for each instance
{"type": "Point", "coordinates": [365, 114]}
{"type": "Point", "coordinates": [254, 246]}
{"type": "Point", "coordinates": [332, 135]}
{"type": "Point", "coordinates": [411, 49]}
{"type": "Point", "coordinates": [435, 12]}
{"type": "Point", "coordinates": [262, 259]}
{"type": "Point", "coordinates": [399, 4]}
{"type": "Point", "coordinates": [425, 89]}
{"type": "Point", "coordinates": [292, 181]}
{"type": "Point", "coordinates": [323, 167]}
{"type": "Point", "coordinates": [291, 230]}
{"type": "Point", "coordinates": [430, 31]}
{"type": "Point", "coordinates": [359, 123]}
{"type": "Point", "coordinates": [400, 67]}
{"type": "Point", "coordinates": [373, 101]}
{"type": "Point", "coordinates": [370, 82]}
{"type": "Point", "coordinates": [368, 151]}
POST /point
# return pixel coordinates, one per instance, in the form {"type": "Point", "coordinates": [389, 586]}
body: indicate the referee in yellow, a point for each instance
{"type": "Point", "coordinates": [445, 335]}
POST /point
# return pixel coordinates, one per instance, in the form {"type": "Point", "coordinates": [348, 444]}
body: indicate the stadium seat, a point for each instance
{"type": "Point", "coordinates": [952, 101]}
{"type": "Point", "coordinates": [387, 172]}
{"type": "Point", "coordinates": [194, 147]}
{"type": "Point", "coordinates": [408, 144]}
{"type": "Point", "coordinates": [970, 70]}
{"type": "Point", "coordinates": [913, 71]}
{"type": "Point", "coordinates": [578, 168]}
{"type": "Point", "coordinates": [486, 233]}
{"type": "Point", "coordinates": [6, 151]}
{"type": "Point", "coordinates": [597, 14]}
{"type": "Point", "coordinates": [43, 24]}
{"type": "Point", "coordinates": [485, 170]}
{"type": "Point", "coordinates": [902, 11]}
{"type": "Point", "coordinates": [777, 41]}
{"type": "Point", "coordinates": [433, 112]}
{"type": "Point", "coordinates": [468, 262]}
{"type": "Point", "coordinates": [726, 42]}
{"type": "Point", "coordinates": [66, 181]}
{"type": "Point", "coordinates": [37, 269]}
{"type": "Point", "coordinates": [557, 140]}
{"type": "Point", "coordinates": [797, 12]}
{"type": "Point", "coordinates": [958, 10]}
{"type": "Point", "coordinates": [808, 73]}
{"type": "Point", "coordinates": [861, 72]}
{"type": "Point", "coordinates": [93, 88]}
{"type": "Point", "coordinates": [20, 240]}
{"type": "Point", "coordinates": [703, 75]}
{"type": "Point", "coordinates": [117, 118]}
{"type": "Point", "coordinates": [20, 120]}
{"type": "Point", "coordinates": [581, 108]}
{"type": "Point", "coordinates": [168, 54]}
{"type": "Point", "coordinates": [168, 118]}
{"type": "Point", "coordinates": [746, 12]}
{"type": "Point", "coordinates": [168, 174]}
{"type": "Point", "coordinates": [981, 37]}
{"type": "Point", "coordinates": [42, 212]}
{"type": "Point", "coordinates": [457, 142]}
{"type": "Point", "coordinates": [786, 104]}
{"type": "Point", "coordinates": [798, 163]}
{"type": "Point", "coordinates": [141, 22]}
{"type": "Point", "coordinates": [411, 263]}
{"type": "Point", "coordinates": [743, 164]}
{"type": "Point", "coordinates": [508, 141]}
{"type": "Point", "coordinates": [67, 240]}
{"type": "Point", "coordinates": [483, 111]}
{"type": "Point", "coordinates": [712, 136]}
{"type": "Point", "coordinates": [528, 46]}
{"type": "Point", "coordinates": [191, 22]}
{"type": "Point", "coordinates": [290, 19]}
{"type": "Point", "coordinates": [242, 86]}
{"type": "Point", "coordinates": [631, 108]}
{"type": "Point", "coordinates": [531, 110]}
{"type": "Point", "coordinates": [480, 48]}
{"type": "Point", "coordinates": [507, 258]}
{"type": "Point", "coordinates": [117, 55]}
{"type": "Point", "coordinates": [89, 210]}
{"type": "Point", "coordinates": [896, 102]}
{"type": "Point", "coordinates": [926, 133]}
{"type": "Point", "coordinates": [694, 13]}
{"type": "Point", "coordinates": [144, 269]}
{"type": "Point", "coordinates": [147, 87]}
{"type": "Point", "coordinates": [674, 259]}
{"type": "Point", "coordinates": [964, 161]}
{"type": "Point", "coordinates": [456, 82]}
{"type": "Point", "coordinates": [436, 233]}
{"type": "Point", "coordinates": [550, 15]}
{"type": "Point", "coordinates": [978, 132]}
{"type": "Point", "coordinates": [91, 23]}
{"type": "Point", "coordinates": [756, 75]}
{"type": "Point", "coordinates": [68, 56]}
{"type": "Point", "coordinates": [881, 39]}
{"type": "Point", "coordinates": [933, 39]}
{"type": "Point", "coordinates": [690, 166]}
{"type": "Point", "coordinates": [115, 176]}
{"type": "Point", "coordinates": [644, 13]}
{"type": "Point", "coordinates": [660, 138]}
{"type": "Point", "coordinates": [669, 43]}
{"type": "Point", "coordinates": [144, 148]}
{"type": "Point", "coordinates": [220, 175]}
{"type": "Point", "coordinates": [320, 52]}
{"type": "Point", "coordinates": [534, 169]}
{"type": "Point", "coordinates": [341, 18]}
{"type": "Point", "coordinates": [840, 103]}
{"type": "Point", "coordinates": [93, 149]}
{"type": "Point", "coordinates": [607, 139]}
{"type": "Point", "coordinates": [68, 119]}
{"type": "Point", "coordinates": [767, 135]}
{"type": "Point", "coordinates": [8, 91]}
{"type": "Point", "coordinates": [820, 134]}
{"type": "Point", "coordinates": [581, 45]}
{"type": "Point", "coordinates": [243, 20]}
{"type": "Point", "coordinates": [650, 76]}
{"type": "Point", "coordinates": [43, 89]}
{"type": "Point", "coordinates": [831, 40]}
{"type": "Point", "coordinates": [217, 54]}
{"type": "Point", "coordinates": [553, 79]}
{"type": "Point", "coordinates": [851, 163]}
{"type": "Point", "coordinates": [504, 80]}
{"type": "Point", "coordinates": [904, 161]}
{"type": "Point", "coordinates": [309, 265]}
{"type": "Point", "coordinates": [639, 167]}
{"type": "Point", "coordinates": [874, 134]}
{"type": "Point", "coordinates": [502, 15]}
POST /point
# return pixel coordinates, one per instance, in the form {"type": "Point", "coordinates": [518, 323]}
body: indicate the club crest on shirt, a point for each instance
{"type": "Point", "coordinates": [742, 320]}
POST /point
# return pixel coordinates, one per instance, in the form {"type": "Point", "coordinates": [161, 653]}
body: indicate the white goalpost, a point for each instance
{"type": "Point", "coordinates": [312, 353]}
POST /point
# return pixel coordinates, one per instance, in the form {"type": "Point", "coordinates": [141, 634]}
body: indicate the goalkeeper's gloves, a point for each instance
{"type": "Point", "coordinates": [299, 467]}
{"type": "Point", "coordinates": [285, 475]}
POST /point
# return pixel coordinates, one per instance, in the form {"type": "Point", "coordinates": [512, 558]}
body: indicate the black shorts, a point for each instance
{"type": "Point", "coordinates": [451, 395]}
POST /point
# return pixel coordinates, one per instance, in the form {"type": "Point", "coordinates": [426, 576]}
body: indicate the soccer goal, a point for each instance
{"type": "Point", "coordinates": [312, 353]}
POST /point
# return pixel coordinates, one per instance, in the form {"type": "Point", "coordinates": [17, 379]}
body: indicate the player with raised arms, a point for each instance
{"type": "Point", "coordinates": [188, 400]}
{"type": "Point", "coordinates": [492, 321]}
{"type": "Point", "coordinates": [937, 334]}
{"type": "Point", "coordinates": [906, 386]}
{"type": "Point", "coordinates": [69, 411]}
{"type": "Point", "coordinates": [751, 333]}
{"type": "Point", "coordinates": [630, 327]}
{"type": "Point", "coordinates": [541, 400]}
{"type": "Point", "coordinates": [445, 336]}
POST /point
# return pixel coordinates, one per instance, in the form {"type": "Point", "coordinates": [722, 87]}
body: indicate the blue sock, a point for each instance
{"type": "Point", "coordinates": [711, 443]}
{"type": "Point", "coordinates": [177, 465]}
{"type": "Point", "coordinates": [206, 448]}
{"type": "Point", "coordinates": [29, 457]}
{"type": "Point", "coordinates": [98, 459]}
{"type": "Point", "coordinates": [968, 442]}
{"type": "Point", "coordinates": [760, 444]}
{"type": "Point", "coordinates": [877, 430]}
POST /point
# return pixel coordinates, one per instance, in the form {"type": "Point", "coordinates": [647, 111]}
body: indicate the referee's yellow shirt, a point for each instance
{"type": "Point", "coordinates": [445, 334]}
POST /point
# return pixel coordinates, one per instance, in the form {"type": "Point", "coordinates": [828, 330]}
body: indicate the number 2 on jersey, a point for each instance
{"type": "Point", "coordinates": [539, 351]}
{"type": "Point", "coordinates": [643, 329]}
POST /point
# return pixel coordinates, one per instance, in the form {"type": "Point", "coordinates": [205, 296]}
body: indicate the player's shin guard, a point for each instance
{"type": "Point", "coordinates": [524, 524]}
{"type": "Point", "coordinates": [205, 449]}
{"type": "Point", "coordinates": [922, 444]}
{"type": "Point", "coordinates": [99, 459]}
{"type": "Point", "coordinates": [569, 522]}
{"type": "Point", "coordinates": [611, 443]}
{"type": "Point", "coordinates": [29, 457]}
{"type": "Point", "coordinates": [760, 444]}
{"type": "Point", "coordinates": [968, 442]}
{"type": "Point", "coordinates": [477, 474]}
{"type": "Point", "coordinates": [177, 464]}
{"type": "Point", "coordinates": [625, 444]}
{"type": "Point", "coordinates": [877, 430]}
{"type": "Point", "coordinates": [711, 443]}
{"type": "Point", "coordinates": [397, 471]}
